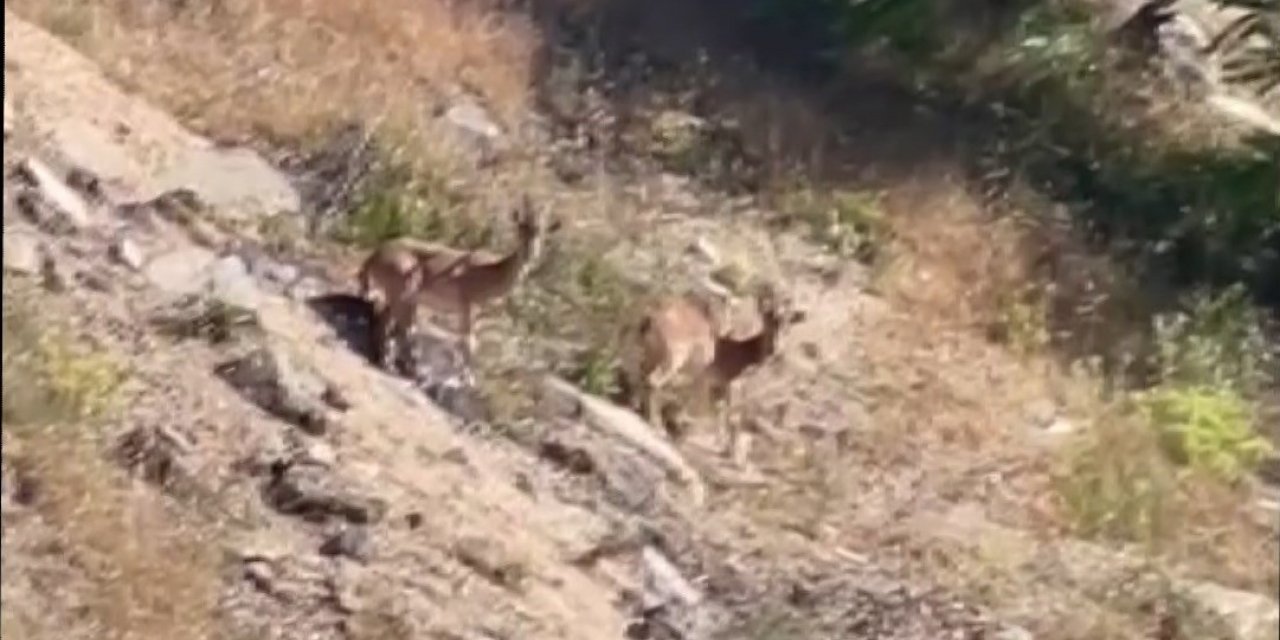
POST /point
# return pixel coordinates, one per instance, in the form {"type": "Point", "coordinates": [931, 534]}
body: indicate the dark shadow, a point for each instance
{"type": "Point", "coordinates": [351, 318]}
{"type": "Point", "coordinates": [434, 364]}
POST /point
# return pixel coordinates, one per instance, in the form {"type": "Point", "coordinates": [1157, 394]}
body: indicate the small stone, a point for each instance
{"type": "Point", "coordinates": [455, 455]}
{"type": "Point", "coordinates": [486, 558]}
{"type": "Point", "coordinates": [320, 453]}
{"type": "Point", "coordinates": [94, 280]}
{"type": "Point", "coordinates": [181, 272]}
{"type": "Point", "coordinates": [26, 489]}
{"type": "Point", "coordinates": [261, 575]}
{"type": "Point", "coordinates": [304, 288]}
{"type": "Point", "coordinates": [128, 253]}
{"type": "Point", "coordinates": [231, 282]}
{"type": "Point", "coordinates": [273, 381]}
{"type": "Point", "coordinates": [86, 183]}
{"type": "Point", "coordinates": [352, 542]}
{"type": "Point", "coordinates": [1060, 426]}
{"type": "Point", "coordinates": [1042, 413]}
{"type": "Point", "coordinates": [311, 493]}
{"type": "Point", "coordinates": [335, 398]}
{"type": "Point", "coordinates": [1014, 633]}
{"type": "Point", "coordinates": [22, 253]}
{"type": "Point", "coordinates": [53, 275]}
{"type": "Point", "coordinates": [472, 118]}
{"type": "Point", "coordinates": [62, 198]}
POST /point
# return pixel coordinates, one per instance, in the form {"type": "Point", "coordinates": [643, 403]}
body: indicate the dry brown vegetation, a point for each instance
{"type": "Point", "coordinates": [288, 70]}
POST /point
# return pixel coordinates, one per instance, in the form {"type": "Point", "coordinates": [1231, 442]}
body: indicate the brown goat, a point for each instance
{"type": "Point", "coordinates": [679, 336]}
{"type": "Point", "coordinates": [410, 272]}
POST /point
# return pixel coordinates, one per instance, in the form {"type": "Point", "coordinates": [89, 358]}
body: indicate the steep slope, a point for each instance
{"type": "Point", "coordinates": [351, 505]}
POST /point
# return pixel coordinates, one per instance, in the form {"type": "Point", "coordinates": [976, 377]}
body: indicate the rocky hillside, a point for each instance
{"type": "Point", "coordinates": [195, 445]}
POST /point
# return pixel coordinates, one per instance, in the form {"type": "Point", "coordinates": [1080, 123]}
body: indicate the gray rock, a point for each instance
{"type": "Point", "coordinates": [351, 542]}
{"type": "Point", "coordinates": [23, 253]}
{"type": "Point", "coordinates": [237, 183]}
{"type": "Point", "coordinates": [436, 367]}
{"type": "Point", "coordinates": [304, 288]}
{"type": "Point", "coordinates": [487, 558]}
{"type": "Point", "coordinates": [320, 453]}
{"type": "Point", "coordinates": [1014, 633]}
{"type": "Point", "coordinates": [473, 119]}
{"type": "Point", "coordinates": [181, 272]}
{"type": "Point", "coordinates": [261, 575]}
{"type": "Point", "coordinates": [270, 378]}
{"type": "Point", "coordinates": [56, 276]}
{"type": "Point", "coordinates": [128, 253]}
{"type": "Point", "coordinates": [315, 495]}
{"type": "Point", "coordinates": [276, 273]}
{"type": "Point", "coordinates": [231, 282]}
{"type": "Point", "coordinates": [1246, 616]}
{"type": "Point", "coordinates": [69, 207]}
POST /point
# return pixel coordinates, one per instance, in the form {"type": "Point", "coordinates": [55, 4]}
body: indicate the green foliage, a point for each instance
{"type": "Point", "coordinates": [848, 223]}
{"type": "Point", "coordinates": [49, 378]}
{"type": "Point", "coordinates": [1052, 42]}
{"type": "Point", "coordinates": [1210, 358]}
{"type": "Point", "coordinates": [1216, 341]}
{"type": "Point", "coordinates": [402, 201]}
{"type": "Point", "coordinates": [1185, 213]}
{"type": "Point", "coordinates": [711, 151]}
{"type": "Point", "coordinates": [1209, 428]}
{"type": "Point", "coordinates": [1117, 484]}
{"type": "Point", "coordinates": [579, 300]}
{"type": "Point", "coordinates": [1022, 323]}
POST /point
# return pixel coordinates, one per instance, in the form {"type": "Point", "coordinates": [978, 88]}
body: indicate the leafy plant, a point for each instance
{"type": "Point", "coordinates": [1217, 341]}
{"type": "Point", "coordinates": [1021, 322]}
{"type": "Point", "coordinates": [1206, 427]}
{"type": "Point", "coordinates": [1117, 483]}
{"type": "Point", "coordinates": [49, 378]}
{"type": "Point", "coordinates": [401, 201]}
{"type": "Point", "coordinates": [848, 223]}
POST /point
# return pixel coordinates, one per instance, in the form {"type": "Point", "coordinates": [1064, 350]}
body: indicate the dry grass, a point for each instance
{"type": "Point", "coordinates": [288, 68]}
{"type": "Point", "coordinates": [134, 568]}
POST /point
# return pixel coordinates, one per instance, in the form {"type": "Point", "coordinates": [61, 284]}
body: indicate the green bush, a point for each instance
{"type": "Point", "coordinates": [1217, 340]}
{"type": "Point", "coordinates": [1208, 428]}
{"type": "Point", "coordinates": [1117, 484]}
{"type": "Point", "coordinates": [848, 223]}
{"type": "Point", "coordinates": [402, 201]}
{"type": "Point", "coordinates": [49, 378]}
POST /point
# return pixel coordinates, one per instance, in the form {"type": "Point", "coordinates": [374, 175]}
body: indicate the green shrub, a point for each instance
{"type": "Point", "coordinates": [402, 201]}
{"type": "Point", "coordinates": [48, 377]}
{"type": "Point", "coordinates": [1216, 341]}
{"type": "Point", "coordinates": [1118, 484]}
{"type": "Point", "coordinates": [581, 301]}
{"type": "Point", "coordinates": [1208, 428]}
{"type": "Point", "coordinates": [848, 223]}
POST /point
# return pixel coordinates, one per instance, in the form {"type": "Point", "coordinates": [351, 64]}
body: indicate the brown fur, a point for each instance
{"type": "Point", "coordinates": [408, 272]}
{"type": "Point", "coordinates": [679, 336]}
